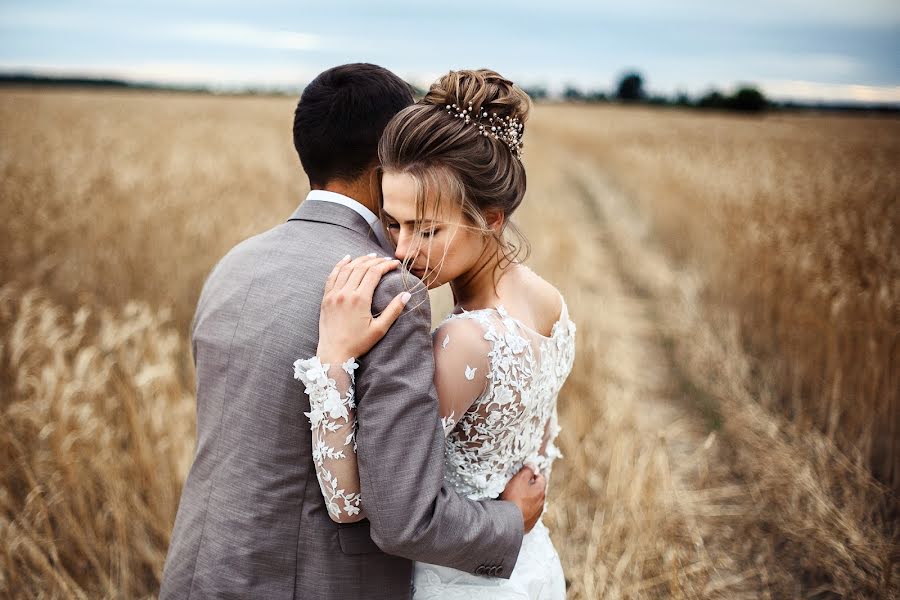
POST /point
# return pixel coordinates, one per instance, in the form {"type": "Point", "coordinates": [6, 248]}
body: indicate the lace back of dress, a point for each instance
{"type": "Point", "coordinates": [514, 422]}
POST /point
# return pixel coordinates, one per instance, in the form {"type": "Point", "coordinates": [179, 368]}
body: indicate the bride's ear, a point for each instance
{"type": "Point", "coordinates": [495, 219]}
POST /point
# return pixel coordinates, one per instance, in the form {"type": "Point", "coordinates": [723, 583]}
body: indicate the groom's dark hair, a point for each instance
{"type": "Point", "coordinates": [340, 118]}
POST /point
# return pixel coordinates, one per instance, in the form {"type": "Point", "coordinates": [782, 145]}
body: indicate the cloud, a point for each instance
{"type": "Point", "coordinates": [242, 35]}
{"type": "Point", "coordinates": [816, 91]}
{"type": "Point", "coordinates": [860, 13]}
{"type": "Point", "coordinates": [787, 65]}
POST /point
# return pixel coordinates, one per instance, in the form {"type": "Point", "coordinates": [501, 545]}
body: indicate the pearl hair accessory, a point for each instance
{"type": "Point", "coordinates": [507, 130]}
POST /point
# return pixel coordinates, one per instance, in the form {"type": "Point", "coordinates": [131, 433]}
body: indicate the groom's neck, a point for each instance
{"type": "Point", "coordinates": [358, 189]}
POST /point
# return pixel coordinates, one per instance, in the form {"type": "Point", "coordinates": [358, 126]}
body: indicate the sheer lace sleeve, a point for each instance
{"type": "Point", "coordinates": [461, 368]}
{"type": "Point", "coordinates": [332, 419]}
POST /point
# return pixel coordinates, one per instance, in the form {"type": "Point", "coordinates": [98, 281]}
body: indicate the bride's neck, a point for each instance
{"type": "Point", "coordinates": [477, 287]}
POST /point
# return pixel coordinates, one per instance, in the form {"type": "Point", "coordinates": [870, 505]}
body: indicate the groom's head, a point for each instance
{"type": "Point", "coordinates": [340, 118]}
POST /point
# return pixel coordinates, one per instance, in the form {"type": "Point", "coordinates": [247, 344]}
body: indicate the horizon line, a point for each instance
{"type": "Point", "coordinates": [175, 76]}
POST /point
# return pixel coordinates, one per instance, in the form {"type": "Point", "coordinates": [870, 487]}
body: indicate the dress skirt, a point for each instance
{"type": "Point", "coordinates": [538, 575]}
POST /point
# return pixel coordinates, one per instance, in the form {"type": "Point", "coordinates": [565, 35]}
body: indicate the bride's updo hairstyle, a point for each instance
{"type": "Point", "coordinates": [462, 143]}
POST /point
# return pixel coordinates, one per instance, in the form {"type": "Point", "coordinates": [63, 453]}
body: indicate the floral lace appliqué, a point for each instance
{"type": "Point", "coordinates": [514, 422]}
{"type": "Point", "coordinates": [330, 413]}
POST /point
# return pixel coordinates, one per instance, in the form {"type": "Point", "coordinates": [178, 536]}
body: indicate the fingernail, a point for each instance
{"type": "Point", "coordinates": [372, 254]}
{"type": "Point", "coordinates": [346, 257]}
{"type": "Point", "coordinates": [404, 297]}
{"type": "Point", "coordinates": [388, 258]}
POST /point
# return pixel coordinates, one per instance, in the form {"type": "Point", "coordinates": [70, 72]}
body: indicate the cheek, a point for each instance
{"type": "Point", "coordinates": [462, 252]}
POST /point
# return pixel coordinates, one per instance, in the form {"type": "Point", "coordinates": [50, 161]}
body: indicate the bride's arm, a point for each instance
{"type": "Point", "coordinates": [332, 420]}
{"type": "Point", "coordinates": [461, 368]}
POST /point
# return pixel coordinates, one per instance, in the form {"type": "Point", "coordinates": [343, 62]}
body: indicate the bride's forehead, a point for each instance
{"type": "Point", "coordinates": [399, 196]}
{"type": "Point", "coordinates": [398, 189]}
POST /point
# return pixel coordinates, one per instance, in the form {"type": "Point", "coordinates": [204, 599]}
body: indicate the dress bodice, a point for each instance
{"type": "Point", "coordinates": [514, 421]}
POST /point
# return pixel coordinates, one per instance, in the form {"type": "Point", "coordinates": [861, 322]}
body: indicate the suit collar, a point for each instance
{"type": "Point", "coordinates": [335, 214]}
{"type": "Point", "coordinates": [329, 196]}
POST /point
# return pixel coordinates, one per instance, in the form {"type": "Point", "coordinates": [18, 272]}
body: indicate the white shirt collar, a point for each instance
{"type": "Point", "coordinates": [370, 217]}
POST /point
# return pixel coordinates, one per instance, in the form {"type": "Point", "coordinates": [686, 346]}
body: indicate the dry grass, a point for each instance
{"type": "Point", "coordinates": [793, 221]}
{"type": "Point", "coordinates": [693, 468]}
{"type": "Point", "coordinates": [802, 519]}
{"type": "Point", "coordinates": [97, 437]}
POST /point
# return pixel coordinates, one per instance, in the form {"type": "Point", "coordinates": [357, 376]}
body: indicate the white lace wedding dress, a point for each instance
{"type": "Point", "coordinates": [497, 382]}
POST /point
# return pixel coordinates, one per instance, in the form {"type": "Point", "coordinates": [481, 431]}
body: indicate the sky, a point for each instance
{"type": "Point", "coordinates": [832, 50]}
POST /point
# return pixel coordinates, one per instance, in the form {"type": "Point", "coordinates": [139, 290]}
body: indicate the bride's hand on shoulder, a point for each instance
{"type": "Point", "coordinates": [346, 325]}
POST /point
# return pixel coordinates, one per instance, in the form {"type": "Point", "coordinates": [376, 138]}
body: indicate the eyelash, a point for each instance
{"type": "Point", "coordinates": [396, 227]}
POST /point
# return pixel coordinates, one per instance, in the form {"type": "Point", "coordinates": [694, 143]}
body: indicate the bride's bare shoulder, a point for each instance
{"type": "Point", "coordinates": [544, 302]}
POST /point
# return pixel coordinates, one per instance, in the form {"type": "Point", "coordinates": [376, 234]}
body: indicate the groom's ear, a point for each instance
{"type": "Point", "coordinates": [374, 170]}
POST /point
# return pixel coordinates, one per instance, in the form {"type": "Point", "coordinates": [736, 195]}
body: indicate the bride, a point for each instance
{"type": "Point", "coordinates": [451, 178]}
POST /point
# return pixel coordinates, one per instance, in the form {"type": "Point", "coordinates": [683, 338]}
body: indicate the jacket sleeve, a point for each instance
{"type": "Point", "coordinates": [400, 446]}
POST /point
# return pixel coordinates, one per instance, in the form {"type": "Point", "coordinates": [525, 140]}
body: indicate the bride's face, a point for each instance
{"type": "Point", "coordinates": [440, 248]}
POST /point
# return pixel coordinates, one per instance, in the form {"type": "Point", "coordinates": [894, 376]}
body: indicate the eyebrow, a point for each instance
{"type": "Point", "coordinates": [410, 222]}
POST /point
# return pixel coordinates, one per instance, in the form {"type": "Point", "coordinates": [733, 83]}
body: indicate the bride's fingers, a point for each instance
{"type": "Point", "coordinates": [359, 271]}
{"type": "Point", "coordinates": [383, 322]}
{"type": "Point", "coordinates": [332, 277]}
{"type": "Point", "coordinates": [373, 276]}
{"type": "Point", "coordinates": [347, 270]}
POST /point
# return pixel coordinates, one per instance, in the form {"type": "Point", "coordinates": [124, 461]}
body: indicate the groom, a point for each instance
{"type": "Point", "coordinates": [252, 522]}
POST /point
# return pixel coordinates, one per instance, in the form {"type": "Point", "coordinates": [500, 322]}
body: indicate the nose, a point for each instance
{"type": "Point", "coordinates": [403, 245]}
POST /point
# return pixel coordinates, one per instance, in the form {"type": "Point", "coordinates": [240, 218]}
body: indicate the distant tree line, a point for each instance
{"type": "Point", "coordinates": [746, 99]}
{"type": "Point", "coordinates": [103, 82]}
{"type": "Point", "coordinates": [630, 89]}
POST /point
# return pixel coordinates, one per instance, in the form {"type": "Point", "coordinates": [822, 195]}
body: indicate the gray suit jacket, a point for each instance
{"type": "Point", "coordinates": [252, 522]}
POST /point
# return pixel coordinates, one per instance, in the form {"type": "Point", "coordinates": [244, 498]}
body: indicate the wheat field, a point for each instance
{"type": "Point", "coordinates": [730, 426]}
